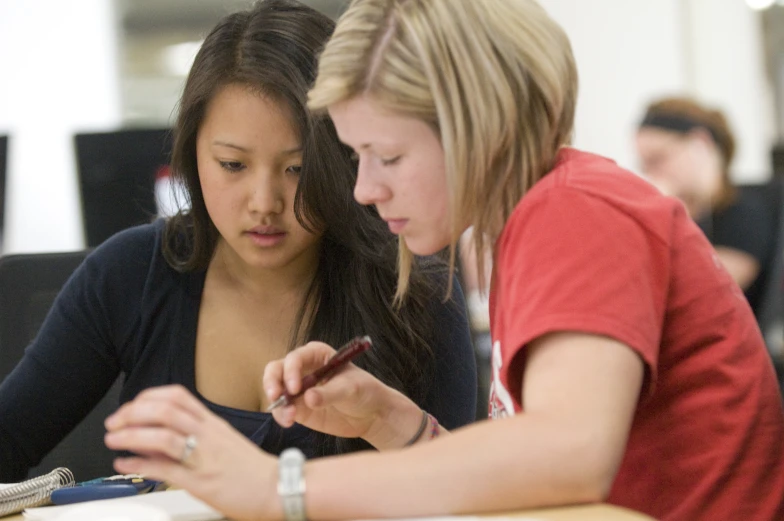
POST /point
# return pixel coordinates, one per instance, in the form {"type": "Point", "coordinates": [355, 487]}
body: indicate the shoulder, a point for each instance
{"type": "Point", "coordinates": [132, 250]}
{"type": "Point", "coordinates": [132, 240]}
{"type": "Point", "coordinates": [584, 174]}
{"type": "Point", "coordinates": [584, 190]}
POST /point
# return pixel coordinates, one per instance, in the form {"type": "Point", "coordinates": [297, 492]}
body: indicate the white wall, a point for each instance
{"type": "Point", "coordinates": [627, 51]}
{"type": "Point", "coordinates": [59, 75]}
{"type": "Point", "coordinates": [632, 51]}
{"type": "Point", "coordinates": [58, 61]}
{"type": "Point", "coordinates": [729, 72]}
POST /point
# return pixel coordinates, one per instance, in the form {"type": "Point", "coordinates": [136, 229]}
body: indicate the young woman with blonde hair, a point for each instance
{"type": "Point", "coordinates": [627, 366]}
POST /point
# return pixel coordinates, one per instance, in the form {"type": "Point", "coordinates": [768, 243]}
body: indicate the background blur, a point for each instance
{"type": "Point", "coordinates": [92, 66]}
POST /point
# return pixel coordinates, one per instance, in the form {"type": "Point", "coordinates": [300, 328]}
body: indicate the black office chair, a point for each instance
{"type": "Point", "coordinates": [116, 174]}
{"type": "Point", "coordinates": [770, 312]}
{"type": "Point", "coordinates": [3, 156]}
{"type": "Point", "coordinates": [29, 284]}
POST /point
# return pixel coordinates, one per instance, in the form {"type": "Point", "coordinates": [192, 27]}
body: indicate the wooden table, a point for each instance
{"type": "Point", "coordinates": [581, 513]}
{"type": "Point", "coordinates": [574, 513]}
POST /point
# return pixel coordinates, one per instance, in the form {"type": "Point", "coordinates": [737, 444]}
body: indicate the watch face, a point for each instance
{"type": "Point", "coordinates": [291, 484]}
{"type": "Point", "coordinates": [292, 455]}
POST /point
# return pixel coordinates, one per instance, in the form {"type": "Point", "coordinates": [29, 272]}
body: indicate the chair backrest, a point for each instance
{"type": "Point", "coordinates": [770, 312]}
{"type": "Point", "coordinates": [29, 284]}
{"type": "Point", "coordinates": [3, 168]}
{"type": "Point", "coordinates": [117, 172]}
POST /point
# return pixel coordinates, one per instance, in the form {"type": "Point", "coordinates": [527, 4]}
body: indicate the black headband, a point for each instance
{"type": "Point", "coordinates": [680, 124]}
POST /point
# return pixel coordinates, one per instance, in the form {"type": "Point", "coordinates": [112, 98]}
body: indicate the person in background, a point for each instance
{"type": "Point", "coordinates": [627, 367]}
{"type": "Point", "coordinates": [274, 252]}
{"type": "Point", "coordinates": [686, 150]}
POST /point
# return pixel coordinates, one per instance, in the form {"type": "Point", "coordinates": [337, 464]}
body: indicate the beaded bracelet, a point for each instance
{"type": "Point", "coordinates": [435, 429]}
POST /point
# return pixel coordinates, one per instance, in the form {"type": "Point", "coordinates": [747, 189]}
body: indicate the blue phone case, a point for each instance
{"type": "Point", "coordinates": [104, 488]}
{"type": "Point", "coordinates": [78, 494]}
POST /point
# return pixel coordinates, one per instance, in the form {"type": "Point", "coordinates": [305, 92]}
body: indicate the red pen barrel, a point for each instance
{"type": "Point", "coordinates": [343, 356]}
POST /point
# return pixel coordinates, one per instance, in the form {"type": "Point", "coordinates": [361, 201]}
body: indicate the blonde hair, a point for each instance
{"type": "Point", "coordinates": [496, 80]}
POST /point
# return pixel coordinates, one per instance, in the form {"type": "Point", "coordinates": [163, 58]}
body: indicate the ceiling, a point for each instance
{"type": "Point", "coordinates": [153, 16]}
{"type": "Point", "coordinates": [150, 29]}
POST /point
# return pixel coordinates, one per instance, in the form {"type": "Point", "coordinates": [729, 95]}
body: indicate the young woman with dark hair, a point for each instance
{"type": "Point", "coordinates": [272, 252]}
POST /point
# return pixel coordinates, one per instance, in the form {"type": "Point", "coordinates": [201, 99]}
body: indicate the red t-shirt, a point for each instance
{"type": "Point", "coordinates": [595, 249]}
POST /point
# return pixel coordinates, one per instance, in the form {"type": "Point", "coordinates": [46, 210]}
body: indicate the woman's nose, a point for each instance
{"type": "Point", "coordinates": [369, 188]}
{"type": "Point", "coordinates": [267, 196]}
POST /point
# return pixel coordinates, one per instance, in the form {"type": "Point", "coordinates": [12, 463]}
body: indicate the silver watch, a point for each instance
{"type": "Point", "coordinates": [291, 484]}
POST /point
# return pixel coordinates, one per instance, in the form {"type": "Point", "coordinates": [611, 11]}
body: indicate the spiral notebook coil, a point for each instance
{"type": "Point", "coordinates": [34, 492]}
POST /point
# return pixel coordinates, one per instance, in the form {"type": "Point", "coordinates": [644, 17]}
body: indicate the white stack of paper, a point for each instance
{"type": "Point", "coordinates": [179, 504]}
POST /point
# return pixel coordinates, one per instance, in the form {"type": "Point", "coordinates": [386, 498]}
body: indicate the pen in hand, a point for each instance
{"type": "Point", "coordinates": [343, 356]}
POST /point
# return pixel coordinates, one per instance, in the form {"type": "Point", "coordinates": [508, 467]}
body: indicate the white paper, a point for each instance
{"type": "Point", "coordinates": [179, 504]}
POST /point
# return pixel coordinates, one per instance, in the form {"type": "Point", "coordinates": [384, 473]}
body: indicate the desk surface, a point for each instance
{"type": "Point", "coordinates": [582, 513]}
{"type": "Point", "coordinates": [576, 513]}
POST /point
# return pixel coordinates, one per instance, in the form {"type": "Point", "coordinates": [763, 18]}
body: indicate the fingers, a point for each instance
{"type": "Point", "coordinates": [294, 367]}
{"type": "Point", "coordinates": [159, 469]}
{"type": "Point", "coordinates": [285, 416]}
{"type": "Point", "coordinates": [273, 387]}
{"type": "Point", "coordinates": [304, 361]}
{"type": "Point", "coordinates": [176, 394]}
{"type": "Point", "coordinates": [273, 380]}
{"type": "Point", "coordinates": [349, 395]}
{"type": "Point", "coordinates": [334, 391]}
{"type": "Point", "coordinates": [148, 441]}
{"type": "Point", "coordinates": [163, 409]}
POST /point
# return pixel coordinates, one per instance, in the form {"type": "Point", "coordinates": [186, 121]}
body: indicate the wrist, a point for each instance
{"type": "Point", "coordinates": [291, 484]}
{"type": "Point", "coordinates": [266, 503]}
{"type": "Point", "coordinates": [396, 424]}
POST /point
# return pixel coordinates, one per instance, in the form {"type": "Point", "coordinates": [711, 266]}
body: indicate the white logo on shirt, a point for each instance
{"type": "Point", "coordinates": [501, 404]}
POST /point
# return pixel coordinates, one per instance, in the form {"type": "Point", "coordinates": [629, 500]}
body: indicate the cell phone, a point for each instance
{"type": "Point", "coordinates": [105, 488]}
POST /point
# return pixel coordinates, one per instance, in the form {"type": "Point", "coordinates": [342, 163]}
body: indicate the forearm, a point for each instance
{"type": "Point", "coordinates": [741, 266]}
{"type": "Point", "coordinates": [28, 426]}
{"type": "Point", "coordinates": [534, 462]}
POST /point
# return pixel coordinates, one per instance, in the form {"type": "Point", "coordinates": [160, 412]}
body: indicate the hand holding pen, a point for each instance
{"type": "Point", "coordinates": [351, 403]}
{"type": "Point", "coordinates": [343, 356]}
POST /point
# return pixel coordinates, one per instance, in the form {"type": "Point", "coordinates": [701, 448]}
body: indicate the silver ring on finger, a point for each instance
{"type": "Point", "coordinates": [190, 445]}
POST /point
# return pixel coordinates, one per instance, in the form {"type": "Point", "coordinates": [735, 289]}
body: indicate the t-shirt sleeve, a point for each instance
{"type": "Point", "coordinates": [744, 226]}
{"type": "Point", "coordinates": [73, 360]}
{"type": "Point", "coordinates": [453, 392]}
{"type": "Point", "coordinates": [570, 261]}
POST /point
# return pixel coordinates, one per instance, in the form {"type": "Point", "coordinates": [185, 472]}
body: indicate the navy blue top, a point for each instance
{"type": "Point", "coordinates": [125, 310]}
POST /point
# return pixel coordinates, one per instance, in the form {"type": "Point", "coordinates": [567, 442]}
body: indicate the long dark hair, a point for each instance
{"type": "Point", "coordinates": [273, 49]}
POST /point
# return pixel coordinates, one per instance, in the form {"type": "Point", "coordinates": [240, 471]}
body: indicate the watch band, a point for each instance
{"type": "Point", "coordinates": [291, 484]}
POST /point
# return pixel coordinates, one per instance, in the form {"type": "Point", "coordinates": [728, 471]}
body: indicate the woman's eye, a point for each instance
{"type": "Point", "coordinates": [231, 166]}
{"type": "Point", "coordinates": [294, 169]}
{"type": "Point", "coordinates": [391, 161]}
